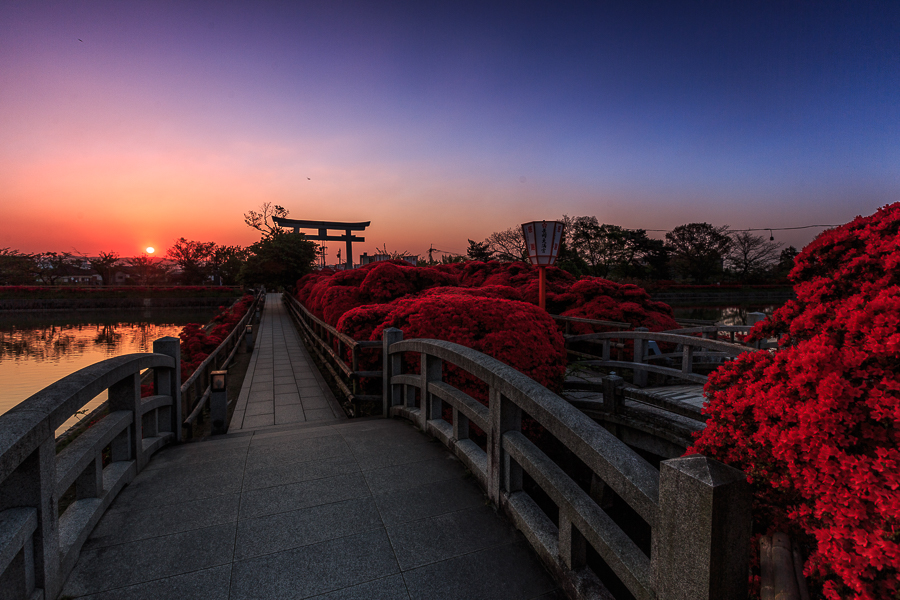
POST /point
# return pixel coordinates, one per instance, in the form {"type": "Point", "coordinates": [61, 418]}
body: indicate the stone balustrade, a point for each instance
{"type": "Point", "coordinates": [642, 338]}
{"type": "Point", "coordinates": [39, 545]}
{"type": "Point", "coordinates": [698, 509]}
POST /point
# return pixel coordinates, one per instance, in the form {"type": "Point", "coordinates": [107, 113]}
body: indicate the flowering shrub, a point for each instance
{"type": "Point", "coordinates": [816, 424]}
{"type": "Point", "coordinates": [516, 333]}
{"type": "Point", "coordinates": [197, 341]}
{"type": "Point", "coordinates": [328, 294]}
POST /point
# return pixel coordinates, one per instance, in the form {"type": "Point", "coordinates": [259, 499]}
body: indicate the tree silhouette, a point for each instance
{"type": "Point", "coordinates": [104, 264]}
{"type": "Point", "coordinates": [698, 250]}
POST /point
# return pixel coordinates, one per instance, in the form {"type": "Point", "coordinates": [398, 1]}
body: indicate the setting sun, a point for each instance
{"type": "Point", "coordinates": [150, 249]}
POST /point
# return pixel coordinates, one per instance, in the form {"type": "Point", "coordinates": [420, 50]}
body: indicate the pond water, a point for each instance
{"type": "Point", "coordinates": [39, 348]}
{"type": "Point", "coordinates": [725, 315]}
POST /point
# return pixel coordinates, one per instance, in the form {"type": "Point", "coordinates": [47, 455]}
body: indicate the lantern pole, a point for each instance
{"type": "Point", "coordinates": [542, 240]}
{"type": "Point", "coordinates": [542, 287]}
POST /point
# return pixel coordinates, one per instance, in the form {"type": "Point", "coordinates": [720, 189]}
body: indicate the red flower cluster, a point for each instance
{"type": "Point", "coordinates": [329, 295]}
{"type": "Point", "coordinates": [197, 341]}
{"type": "Point", "coordinates": [816, 424]}
{"type": "Point", "coordinates": [516, 333]}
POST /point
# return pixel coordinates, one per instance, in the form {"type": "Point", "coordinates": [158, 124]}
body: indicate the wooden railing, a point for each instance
{"type": "Point", "coordinates": [333, 349]}
{"type": "Point", "coordinates": [567, 323]}
{"type": "Point", "coordinates": [698, 509]}
{"type": "Point", "coordinates": [195, 392]}
{"type": "Point", "coordinates": [38, 545]}
{"type": "Point", "coordinates": [691, 347]}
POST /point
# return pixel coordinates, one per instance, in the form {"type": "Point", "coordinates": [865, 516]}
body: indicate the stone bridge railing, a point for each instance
{"type": "Point", "coordinates": [697, 509]}
{"type": "Point", "coordinates": [642, 363]}
{"type": "Point", "coordinates": [38, 544]}
{"type": "Point", "coordinates": [196, 390]}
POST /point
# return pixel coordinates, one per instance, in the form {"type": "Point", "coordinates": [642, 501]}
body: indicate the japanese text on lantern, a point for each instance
{"type": "Point", "coordinates": [543, 239]}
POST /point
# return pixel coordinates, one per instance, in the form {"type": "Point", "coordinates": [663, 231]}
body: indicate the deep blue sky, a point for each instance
{"type": "Point", "coordinates": [441, 121]}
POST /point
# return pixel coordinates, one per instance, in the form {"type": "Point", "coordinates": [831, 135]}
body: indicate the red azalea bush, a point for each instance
{"type": "Point", "coordinates": [329, 295]}
{"type": "Point", "coordinates": [516, 333]}
{"type": "Point", "coordinates": [197, 341]}
{"type": "Point", "coordinates": [816, 424]}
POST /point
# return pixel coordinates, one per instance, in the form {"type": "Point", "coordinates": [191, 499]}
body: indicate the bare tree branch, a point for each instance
{"type": "Point", "coordinates": [262, 220]}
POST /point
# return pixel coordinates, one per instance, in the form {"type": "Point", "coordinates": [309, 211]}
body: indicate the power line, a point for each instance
{"type": "Point", "coordinates": [762, 228]}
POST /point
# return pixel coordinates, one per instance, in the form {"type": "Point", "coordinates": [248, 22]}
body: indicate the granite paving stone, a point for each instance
{"type": "Point", "coordinates": [289, 413]}
{"type": "Point", "coordinates": [271, 500]}
{"type": "Point", "coordinates": [387, 588]}
{"type": "Point", "coordinates": [319, 414]}
{"type": "Point", "coordinates": [283, 473]}
{"type": "Point", "coordinates": [285, 399]}
{"type": "Point", "coordinates": [399, 477]}
{"type": "Point", "coordinates": [125, 524]}
{"type": "Point", "coordinates": [251, 421]}
{"type": "Point", "coordinates": [433, 539]}
{"type": "Point", "coordinates": [259, 408]}
{"type": "Point", "coordinates": [273, 533]}
{"type": "Point", "coordinates": [121, 565]}
{"type": "Point", "coordinates": [312, 570]}
{"type": "Point", "coordinates": [517, 575]}
{"type": "Point", "coordinates": [428, 500]}
{"type": "Point", "coordinates": [209, 584]}
{"type": "Point", "coordinates": [313, 403]}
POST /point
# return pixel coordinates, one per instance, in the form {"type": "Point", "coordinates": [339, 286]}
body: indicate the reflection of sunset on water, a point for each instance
{"type": "Point", "coordinates": [38, 349]}
{"type": "Point", "coordinates": [68, 342]}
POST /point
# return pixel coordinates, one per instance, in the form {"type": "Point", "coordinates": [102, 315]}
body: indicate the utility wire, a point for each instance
{"type": "Point", "coordinates": [763, 228]}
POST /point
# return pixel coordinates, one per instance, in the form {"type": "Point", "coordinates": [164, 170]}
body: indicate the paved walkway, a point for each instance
{"type": "Point", "coordinates": [337, 509]}
{"type": "Point", "coordinates": [282, 384]}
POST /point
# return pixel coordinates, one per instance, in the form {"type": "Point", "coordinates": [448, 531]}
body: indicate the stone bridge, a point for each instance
{"type": "Point", "coordinates": [297, 501]}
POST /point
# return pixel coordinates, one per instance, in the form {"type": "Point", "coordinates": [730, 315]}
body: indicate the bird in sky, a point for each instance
{"type": "Point", "coordinates": [80, 40]}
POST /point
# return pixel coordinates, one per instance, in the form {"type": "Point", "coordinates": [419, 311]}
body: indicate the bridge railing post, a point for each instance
{"type": "Point", "coordinates": [752, 319]}
{"type": "Point", "coordinates": [168, 382]}
{"type": "Point", "coordinates": [502, 471]}
{"type": "Point", "coordinates": [687, 359]}
{"type": "Point", "coordinates": [126, 395]}
{"type": "Point", "coordinates": [29, 495]}
{"type": "Point", "coordinates": [391, 365]}
{"type": "Point", "coordinates": [702, 540]}
{"type": "Point", "coordinates": [640, 349]}
{"type": "Point", "coordinates": [431, 407]}
{"type": "Point", "coordinates": [612, 397]}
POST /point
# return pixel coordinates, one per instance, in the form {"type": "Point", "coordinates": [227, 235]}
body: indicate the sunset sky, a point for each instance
{"type": "Point", "coordinates": [130, 124]}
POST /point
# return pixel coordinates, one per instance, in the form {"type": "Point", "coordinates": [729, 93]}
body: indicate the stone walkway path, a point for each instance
{"type": "Point", "coordinates": [282, 384]}
{"type": "Point", "coordinates": [332, 509]}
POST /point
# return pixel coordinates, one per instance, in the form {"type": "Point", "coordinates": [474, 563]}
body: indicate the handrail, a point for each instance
{"type": "Point", "coordinates": [659, 336]}
{"type": "Point", "coordinates": [33, 477]}
{"type": "Point", "coordinates": [664, 498]}
{"type": "Point", "coordinates": [200, 375]}
{"type": "Point", "coordinates": [711, 329]}
{"type": "Point", "coordinates": [602, 322]}
{"type": "Point", "coordinates": [321, 338]}
{"type": "Point", "coordinates": [642, 339]}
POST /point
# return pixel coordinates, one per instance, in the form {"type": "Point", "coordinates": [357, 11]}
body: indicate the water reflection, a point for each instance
{"type": "Point", "coordinates": [37, 349]}
{"type": "Point", "coordinates": [724, 315]}
{"type": "Point", "coordinates": [53, 343]}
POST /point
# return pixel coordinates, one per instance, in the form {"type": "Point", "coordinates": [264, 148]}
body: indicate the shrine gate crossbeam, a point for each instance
{"type": "Point", "coordinates": [323, 227]}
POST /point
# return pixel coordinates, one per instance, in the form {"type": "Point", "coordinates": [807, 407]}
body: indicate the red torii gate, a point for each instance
{"type": "Point", "coordinates": [323, 227]}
